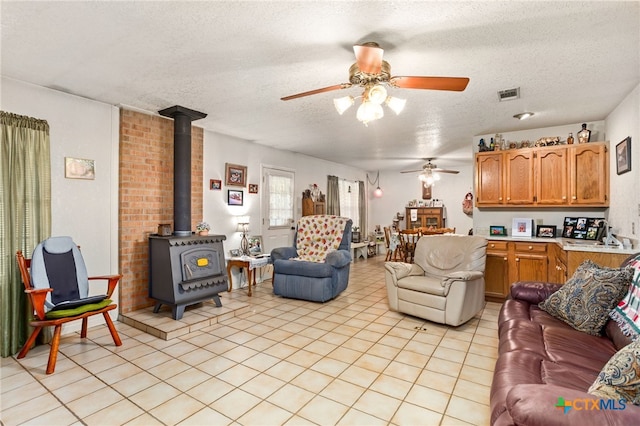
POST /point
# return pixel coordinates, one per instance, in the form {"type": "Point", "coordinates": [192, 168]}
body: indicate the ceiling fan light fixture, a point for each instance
{"type": "Point", "coordinates": [377, 192]}
{"type": "Point", "coordinates": [377, 94]}
{"type": "Point", "coordinates": [343, 104]}
{"type": "Point", "coordinates": [368, 111]}
{"type": "Point", "coordinates": [523, 115]}
{"type": "Point", "coordinates": [395, 104]}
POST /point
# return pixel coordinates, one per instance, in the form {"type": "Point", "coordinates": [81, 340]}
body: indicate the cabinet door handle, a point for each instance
{"type": "Point", "coordinates": [574, 198]}
{"type": "Point", "coordinates": [508, 198]}
{"type": "Point", "coordinates": [493, 245]}
{"type": "Point", "coordinates": [530, 247]}
{"type": "Point", "coordinates": [499, 198]}
{"type": "Point", "coordinates": [564, 197]}
{"type": "Point", "coordinates": [517, 259]}
{"type": "Point", "coordinates": [504, 258]}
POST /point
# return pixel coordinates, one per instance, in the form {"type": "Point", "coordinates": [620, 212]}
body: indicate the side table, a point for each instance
{"type": "Point", "coordinates": [248, 262]}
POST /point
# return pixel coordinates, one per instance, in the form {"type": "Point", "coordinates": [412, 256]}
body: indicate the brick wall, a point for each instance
{"type": "Point", "coordinates": [146, 196]}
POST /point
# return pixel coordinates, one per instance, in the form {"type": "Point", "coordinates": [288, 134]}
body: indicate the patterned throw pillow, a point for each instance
{"type": "Point", "coordinates": [586, 299]}
{"type": "Point", "coordinates": [620, 377]}
{"type": "Point", "coordinates": [627, 313]}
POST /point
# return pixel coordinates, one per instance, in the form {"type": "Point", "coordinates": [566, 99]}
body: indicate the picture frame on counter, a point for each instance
{"type": "Point", "coordinates": [583, 228]}
{"type": "Point", "coordinates": [546, 231]}
{"type": "Point", "coordinates": [497, 231]}
{"type": "Point", "coordinates": [522, 227]}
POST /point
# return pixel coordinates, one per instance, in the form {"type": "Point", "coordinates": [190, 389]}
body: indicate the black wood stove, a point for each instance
{"type": "Point", "coordinates": [184, 269]}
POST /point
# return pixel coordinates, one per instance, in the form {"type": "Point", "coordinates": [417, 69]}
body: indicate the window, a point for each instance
{"type": "Point", "coordinates": [280, 202]}
{"type": "Point", "coordinates": [349, 200]}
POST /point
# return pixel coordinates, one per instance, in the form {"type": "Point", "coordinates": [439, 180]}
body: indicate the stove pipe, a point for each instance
{"type": "Point", "coordinates": [182, 118]}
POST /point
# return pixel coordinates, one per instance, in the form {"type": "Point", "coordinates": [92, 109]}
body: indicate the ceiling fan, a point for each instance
{"type": "Point", "coordinates": [429, 172]}
{"type": "Point", "coordinates": [372, 73]}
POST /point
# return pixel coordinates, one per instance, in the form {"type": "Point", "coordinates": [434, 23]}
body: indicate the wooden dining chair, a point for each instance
{"type": "Point", "coordinates": [387, 243]}
{"type": "Point", "coordinates": [56, 281]}
{"type": "Point", "coordinates": [409, 239]}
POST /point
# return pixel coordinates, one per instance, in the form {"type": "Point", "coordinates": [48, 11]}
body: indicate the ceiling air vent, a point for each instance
{"type": "Point", "coordinates": [509, 94]}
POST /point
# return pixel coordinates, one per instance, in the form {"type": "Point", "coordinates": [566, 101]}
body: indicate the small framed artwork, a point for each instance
{"type": "Point", "coordinates": [623, 156]}
{"type": "Point", "coordinates": [497, 231]}
{"type": "Point", "coordinates": [546, 231]}
{"type": "Point", "coordinates": [79, 168]}
{"type": "Point", "coordinates": [255, 245]}
{"type": "Point", "coordinates": [236, 175]}
{"type": "Point", "coordinates": [426, 192]}
{"type": "Point", "coordinates": [234, 198]}
{"type": "Point", "coordinates": [522, 227]}
{"type": "Point", "coordinates": [235, 252]}
{"type": "Point", "coordinates": [215, 184]}
{"type": "Point", "coordinates": [253, 188]}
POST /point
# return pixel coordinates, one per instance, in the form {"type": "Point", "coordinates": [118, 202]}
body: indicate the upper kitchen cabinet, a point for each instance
{"type": "Point", "coordinates": [589, 174]}
{"type": "Point", "coordinates": [554, 176]}
{"type": "Point", "coordinates": [489, 179]}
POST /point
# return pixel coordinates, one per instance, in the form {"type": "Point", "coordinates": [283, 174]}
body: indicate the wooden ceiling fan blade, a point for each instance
{"type": "Point", "coordinates": [315, 92]}
{"type": "Point", "coordinates": [456, 84]}
{"type": "Point", "coordinates": [369, 57]}
{"type": "Point", "coordinates": [454, 172]}
{"type": "Point", "coordinates": [411, 171]}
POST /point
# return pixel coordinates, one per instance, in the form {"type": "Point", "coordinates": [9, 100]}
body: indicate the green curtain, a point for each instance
{"type": "Point", "coordinates": [333, 196]}
{"type": "Point", "coordinates": [25, 216]}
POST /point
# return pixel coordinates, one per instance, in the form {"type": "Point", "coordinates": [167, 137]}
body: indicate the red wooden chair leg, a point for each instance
{"type": "Point", "coordinates": [27, 346]}
{"type": "Point", "coordinates": [83, 331]}
{"type": "Point", "coordinates": [53, 353]}
{"type": "Point", "coordinates": [112, 329]}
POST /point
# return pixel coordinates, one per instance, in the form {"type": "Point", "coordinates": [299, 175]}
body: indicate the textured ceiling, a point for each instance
{"type": "Point", "coordinates": [574, 61]}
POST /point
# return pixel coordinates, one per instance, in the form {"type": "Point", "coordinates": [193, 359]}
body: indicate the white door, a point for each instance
{"type": "Point", "coordinates": [277, 207]}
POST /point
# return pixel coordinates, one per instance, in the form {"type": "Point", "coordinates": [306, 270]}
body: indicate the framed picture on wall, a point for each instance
{"type": "Point", "coordinates": [79, 168]}
{"type": "Point", "coordinates": [426, 192]}
{"type": "Point", "coordinates": [236, 175]}
{"type": "Point", "coordinates": [215, 184]}
{"type": "Point", "coordinates": [253, 188]}
{"type": "Point", "coordinates": [234, 198]}
{"type": "Point", "coordinates": [623, 156]}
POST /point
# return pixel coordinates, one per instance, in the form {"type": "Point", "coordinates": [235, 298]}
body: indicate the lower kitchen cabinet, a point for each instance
{"type": "Point", "coordinates": [510, 261]}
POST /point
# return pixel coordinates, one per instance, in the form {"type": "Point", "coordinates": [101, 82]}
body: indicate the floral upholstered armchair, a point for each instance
{"type": "Point", "coordinates": [316, 268]}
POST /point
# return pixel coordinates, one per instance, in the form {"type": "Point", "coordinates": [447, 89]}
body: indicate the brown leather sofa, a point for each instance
{"type": "Point", "coordinates": [542, 359]}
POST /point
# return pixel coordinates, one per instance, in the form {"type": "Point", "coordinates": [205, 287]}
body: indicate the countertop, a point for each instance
{"type": "Point", "coordinates": [568, 244]}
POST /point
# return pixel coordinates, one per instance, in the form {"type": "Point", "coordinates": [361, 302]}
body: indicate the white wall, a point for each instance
{"type": "Point", "coordinates": [220, 149]}
{"type": "Point", "coordinates": [399, 188]}
{"type": "Point", "coordinates": [86, 210]}
{"type": "Point", "coordinates": [624, 121]}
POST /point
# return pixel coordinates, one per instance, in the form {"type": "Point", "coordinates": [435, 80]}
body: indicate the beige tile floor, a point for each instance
{"type": "Point", "coordinates": [268, 361]}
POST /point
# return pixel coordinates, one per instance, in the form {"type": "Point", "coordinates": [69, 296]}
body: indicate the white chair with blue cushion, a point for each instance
{"type": "Point", "coordinates": [58, 288]}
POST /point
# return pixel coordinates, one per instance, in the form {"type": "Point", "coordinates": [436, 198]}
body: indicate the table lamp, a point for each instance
{"type": "Point", "coordinates": [243, 226]}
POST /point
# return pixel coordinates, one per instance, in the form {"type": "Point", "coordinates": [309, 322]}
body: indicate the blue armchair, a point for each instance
{"type": "Point", "coordinates": [317, 267]}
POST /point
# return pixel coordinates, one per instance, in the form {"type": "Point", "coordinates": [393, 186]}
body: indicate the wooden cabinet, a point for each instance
{"type": "Point", "coordinates": [589, 174]}
{"type": "Point", "coordinates": [310, 207]}
{"type": "Point", "coordinates": [551, 183]}
{"type": "Point", "coordinates": [519, 177]}
{"type": "Point", "coordinates": [511, 261]}
{"type": "Point", "coordinates": [489, 180]}
{"type": "Point", "coordinates": [426, 216]}
{"type": "Point", "coordinates": [530, 262]}
{"type": "Point", "coordinates": [496, 272]}
{"type": "Point", "coordinates": [558, 271]}
{"type": "Point", "coordinates": [566, 175]}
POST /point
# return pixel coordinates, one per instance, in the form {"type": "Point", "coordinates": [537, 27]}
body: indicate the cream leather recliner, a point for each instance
{"type": "Point", "coordinates": [446, 282]}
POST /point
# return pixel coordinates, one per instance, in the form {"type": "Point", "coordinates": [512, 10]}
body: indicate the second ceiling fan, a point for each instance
{"type": "Point", "coordinates": [372, 73]}
{"type": "Point", "coordinates": [429, 172]}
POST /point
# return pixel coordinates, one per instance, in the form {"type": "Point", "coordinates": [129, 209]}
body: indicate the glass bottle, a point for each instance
{"type": "Point", "coordinates": [584, 135]}
{"type": "Point", "coordinates": [570, 139]}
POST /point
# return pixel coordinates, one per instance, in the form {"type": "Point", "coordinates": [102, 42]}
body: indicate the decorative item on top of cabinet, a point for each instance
{"type": "Point", "coordinates": [584, 135]}
{"type": "Point", "coordinates": [313, 201]}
